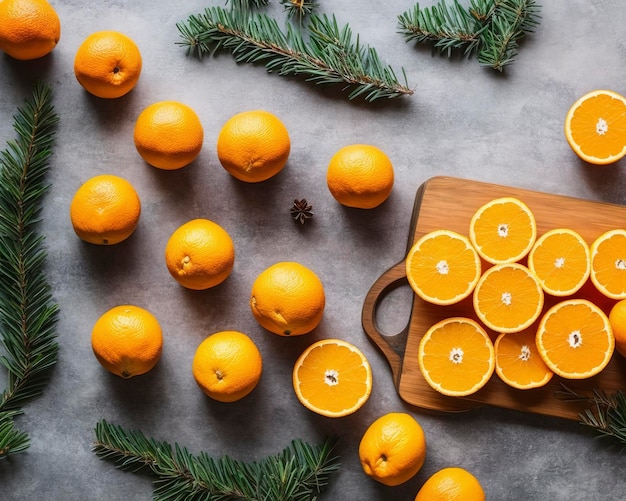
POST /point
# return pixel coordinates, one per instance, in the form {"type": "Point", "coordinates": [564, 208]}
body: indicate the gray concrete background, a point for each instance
{"type": "Point", "coordinates": [463, 120]}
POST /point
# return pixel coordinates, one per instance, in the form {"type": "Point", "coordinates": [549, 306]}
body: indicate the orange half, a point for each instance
{"type": "Point", "coordinates": [595, 127]}
{"type": "Point", "coordinates": [518, 362]}
{"type": "Point", "coordinates": [503, 230]}
{"type": "Point", "coordinates": [560, 261]}
{"type": "Point", "coordinates": [608, 263]}
{"type": "Point", "coordinates": [332, 378]}
{"type": "Point", "coordinates": [508, 298]}
{"type": "Point", "coordinates": [442, 267]}
{"type": "Point", "coordinates": [456, 357]}
{"type": "Point", "coordinates": [575, 339]}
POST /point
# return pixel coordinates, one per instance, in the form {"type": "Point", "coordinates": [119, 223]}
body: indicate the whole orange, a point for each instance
{"type": "Point", "coordinates": [127, 340]}
{"type": "Point", "coordinates": [288, 299]}
{"type": "Point", "coordinates": [200, 254]}
{"type": "Point", "coordinates": [29, 29]}
{"type": "Point", "coordinates": [253, 146]}
{"type": "Point", "coordinates": [108, 64]}
{"type": "Point", "coordinates": [168, 135]}
{"type": "Point", "coordinates": [105, 210]}
{"type": "Point", "coordinates": [393, 448]}
{"type": "Point", "coordinates": [451, 484]}
{"type": "Point", "coordinates": [227, 366]}
{"type": "Point", "coordinates": [360, 176]}
{"type": "Point", "coordinates": [617, 319]}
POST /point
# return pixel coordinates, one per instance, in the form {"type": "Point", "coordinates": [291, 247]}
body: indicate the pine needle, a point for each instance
{"type": "Point", "coordinates": [27, 314]}
{"type": "Point", "coordinates": [606, 415]}
{"type": "Point", "coordinates": [488, 29]}
{"type": "Point", "coordinates": [328, 56]}
{"type": "Point", "coordinates": [298, 473]}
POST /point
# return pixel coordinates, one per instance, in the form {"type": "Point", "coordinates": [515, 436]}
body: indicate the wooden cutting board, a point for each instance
{"type": "Point", "coordinates": [449, 203]}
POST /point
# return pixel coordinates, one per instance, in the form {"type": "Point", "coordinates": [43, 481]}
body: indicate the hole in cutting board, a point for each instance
{"type": "Point", "coordinates": [393, 310]}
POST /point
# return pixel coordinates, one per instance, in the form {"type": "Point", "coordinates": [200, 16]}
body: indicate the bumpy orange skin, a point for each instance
{"type": "Point", "coordinates": [168, 135]}
{"type": "Point", "coordinates": [29, 29]}
{"type": "Point", "coordinates": [108, 64]}
{"type": "Point", "coordinates": [451, 484]}
{"type": "Point", "coordinates": [105, 210]}
{"type": "Point", "coordinates": [360, 176]}
{"type": "Point", "coordinates": [127, 340]}
{"type": "Point", "coordinates": [393, 449]}
{"type": "Point", "coordinates": [253, 146]}
{"type": "Point", "coordinates": [200, 254]}
{"type": "Point", "coordinates": [227, 366]}
{"type": "Point", "coordinates": [288, 299]}
{"type": "Point", "coordinates": [617, 319]}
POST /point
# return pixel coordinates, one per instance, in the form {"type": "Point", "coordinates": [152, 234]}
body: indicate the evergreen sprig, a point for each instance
{"type": "Point", "coordinates": [328, 56]}
{"type": "Point", "coordinates": [298, 473]}
{"type": "Point", "coordinates": [607, 414]}
{"type": "Point", "coordinates": [489, 29]}
{"type": "Point", "coordinates": [299, 9]}
{"type": "Point", "coordinates": [27, 313]}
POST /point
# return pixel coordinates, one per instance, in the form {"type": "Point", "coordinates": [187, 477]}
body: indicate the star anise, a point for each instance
{"type": "Point", "coordinates": [301, 210]}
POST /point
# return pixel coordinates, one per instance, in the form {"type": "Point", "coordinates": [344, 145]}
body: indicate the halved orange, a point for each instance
{"type": "Point", "coordinates": [332, 378]}
{"type": "Point", "coordinates": [608, 263]}
{"type": "Point", "coordinates": [595, 127]}
{"type": "Point", "coordinates": [508, 298]}
{"type": "Point", "coordinates": [518, 362]}
{"type": "Point", "coordinates": [560, 261]}
{"type": "Point", "coordinates": [575, 339]}
{"type": "Point", "coordinates": [456, 356]}
{"type": "Point", "coordinates": [442, 267]}
{"type": "Point", "coordinates": [503, 230]}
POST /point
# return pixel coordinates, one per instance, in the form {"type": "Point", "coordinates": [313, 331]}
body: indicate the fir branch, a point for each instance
{"type": "Point", "coordinates": [510, 21]}
{"type": "Point", "coordinates": [607, 414]}
{"type": "Point", "coordinates": [489, 29]}
{"type": "Point", "coordinates": [329, 56]}
{"type": "Point", "coordinates": [298, 473]}
{"type": "Point", "coordinates": [449, 28]}
{"type": "Point", "coordinates": [27, 314]}
{"type": "Point", "coordinates": [299, 9]}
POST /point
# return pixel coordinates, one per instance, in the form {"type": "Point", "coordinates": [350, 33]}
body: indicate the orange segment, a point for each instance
{"type": "Point", "coordinates": [503, 230]}
{"type": "Point", "coordinates": [575, 339]}
{"type": "Point", "coordinates": [456, 356]}
{"type": "Point", "coordinates": [595, 127]}
{"type": "Point", "coordinates": [518, 362]}
{"type": "Point", "coordinates": [608, 263]}
{"type": "Point", "coordinates": [332, 378]}
{"type": "Point", "coordinates": [442, 267]}
{"type": "Point", "coordinates": [560, 261]}
{"type": "Point", "coordinates": [508, 298]}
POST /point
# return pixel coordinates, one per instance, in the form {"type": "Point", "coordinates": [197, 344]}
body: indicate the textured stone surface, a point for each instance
{"type": "Point", "coordinates": [463, 120]}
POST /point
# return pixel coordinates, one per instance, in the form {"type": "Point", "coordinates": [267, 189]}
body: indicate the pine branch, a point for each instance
{"type": "Point", "coordinates": [448, 28]}
{"type": "Point", "coordinates": [491, 29]}
{"type": "Point", "coordinates": [299, 9]}
{"type": "Point", "coordinates": [27, 314]}
{"type": "Point", "coordinates": [329, 57]}
{"type": "Point", "coordinates": [296, 474]}
{"type": "Point", "coordinates": [607, 414]}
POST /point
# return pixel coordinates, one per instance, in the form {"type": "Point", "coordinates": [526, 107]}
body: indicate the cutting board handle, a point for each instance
{"type": "Point", "coordinates": [392, 347]}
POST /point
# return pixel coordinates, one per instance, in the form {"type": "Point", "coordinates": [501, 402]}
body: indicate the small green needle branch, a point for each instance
{"type": "Point", "coordinates": [606, 415]}
{"type": "Point", "coordinates": [328, 56]}
{"type": "Point", "coordinates": [298, 473]}
{"type": "Point", "coordinates": [27, 313]}
{"type": "Point", "coordinates": [489, 29]}
{"type": "Point", "coordinates": [299, 9]}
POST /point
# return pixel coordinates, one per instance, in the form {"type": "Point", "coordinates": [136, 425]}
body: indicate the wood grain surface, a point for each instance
{"type": "Point", "coordinates": [449, 203]}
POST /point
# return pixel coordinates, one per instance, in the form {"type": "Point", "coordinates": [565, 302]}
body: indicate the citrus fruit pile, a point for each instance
{"type": "Point", "coordinates": [508, 272]}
